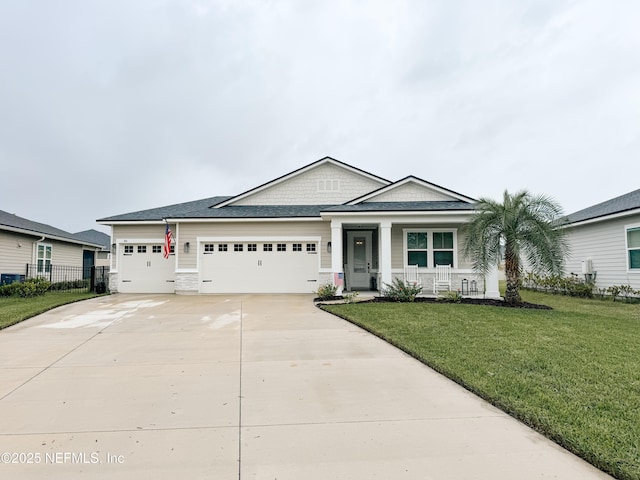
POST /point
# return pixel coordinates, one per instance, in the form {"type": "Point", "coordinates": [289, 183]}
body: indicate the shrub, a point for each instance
{"type": "Point", "coordinates": [399, 291]}
{"type": "Point", "coordinates": [450, 297]}
{"type": "Point", "coordinates": [32, 287]}
{"type": "Point", "coordinates": [351, 297]}
{"type": "Point", "coordinates": [70, 285]}
{"type": "Point", "coordinates": [327, 291]}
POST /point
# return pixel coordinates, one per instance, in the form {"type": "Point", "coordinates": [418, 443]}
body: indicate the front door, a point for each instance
{"type": "Point", "coordinates": [359, 260]}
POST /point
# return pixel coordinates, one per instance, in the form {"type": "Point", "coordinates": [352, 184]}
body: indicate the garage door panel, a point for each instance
{"type": "Point", "coordinates": [145, 270]}
{"type": "Point", "coordinates": [259, 271]}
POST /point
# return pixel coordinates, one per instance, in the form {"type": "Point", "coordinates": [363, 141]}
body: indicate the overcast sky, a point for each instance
{"type": "Point", "coordinates": [108, 107]}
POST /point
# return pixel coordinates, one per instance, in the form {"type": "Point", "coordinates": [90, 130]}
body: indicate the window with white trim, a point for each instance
{"type": "Point", "coordinates": [429, 247]}
{"type": "Point", "coordinates": [222, 247]}
{"type": "Point", "coordinates": [237, 247]}
{"type": "Point", "coordinates": [633, 248]}
{"type": "Point", "coordinates": [417, 252]}
{"type": "Point", "coordinates": [311, 247]}
{"type": "Point", "coordinates": [209, 248]}
{"type": "Point", "coordinates": [442, 248]}
{"type": "Point", "coordinates": [281, 247]}
{"type": "Point", "coordinates": [267, 247]}
{"type": "Point", "coordinates": [252, 247]}
{"type": "Point", "coordinates": [156, 249]}
{"type": "Point", "coordinates": [142, 249]}
{"type": "Point", "coordinates": [44, 258]}
{"type": "Point", "coordinates": [297, 247]}
{"type": "Point", "coordinates": [128, 249]}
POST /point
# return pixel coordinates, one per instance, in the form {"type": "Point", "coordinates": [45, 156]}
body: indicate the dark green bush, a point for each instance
{"type": "Point", "coordinates": [32, 287]}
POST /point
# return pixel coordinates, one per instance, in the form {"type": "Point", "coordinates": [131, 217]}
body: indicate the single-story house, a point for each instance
{"type": "Point", "coordinates": [604, 241]}
{"type": "Point", "coordinates": [327, 222]}
{"type": "Point", "coordinates": [29, 248]}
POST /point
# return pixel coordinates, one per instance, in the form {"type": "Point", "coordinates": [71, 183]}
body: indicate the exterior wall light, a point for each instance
{"type": "Point", "coordinates": [186, 247]}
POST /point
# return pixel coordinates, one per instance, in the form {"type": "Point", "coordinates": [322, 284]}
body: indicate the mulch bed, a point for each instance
{"type": "Point", "coordinates": [469, 301]}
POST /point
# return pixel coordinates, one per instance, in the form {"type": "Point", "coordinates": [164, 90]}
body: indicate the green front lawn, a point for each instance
{"type": "Point", "coordinates": [15, 309]}
{"type": "Point", "coordinates": [572, 373]}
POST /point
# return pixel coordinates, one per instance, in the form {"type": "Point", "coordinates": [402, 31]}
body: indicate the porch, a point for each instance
{"type": "Point", "coordinates": [367, 255]}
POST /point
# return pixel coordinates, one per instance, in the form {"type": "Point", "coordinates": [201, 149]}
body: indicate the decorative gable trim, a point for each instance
{"type": "Point", "coordinates": [288, 176]}
{"type": "Point", "coordinates": [411, 180]}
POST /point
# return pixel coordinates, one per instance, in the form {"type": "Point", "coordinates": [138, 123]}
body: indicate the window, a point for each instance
{"type": "Point", "coordinates": [417, 248]}
{"type": "Point", "coordinates": [172, 249]}
{"type": "Point", "coordinates": [297, 247]}
{"type": "Point", "coordinates": [633, 247]}
{"type": "Point", "coordinates": [237, 247]}
{"type": "Point", "coordinates": [44, 258]}
{"type": "Point", "coordinates": [128, 249]}
{"type": "Point", "coordinates": [267, 247]}
{"type": "Point", "coordinates": [311, 247]}
{"type": "Point", "coordinates": [222, 247]}
{"type": "Point", "coordinates": [156, 249]}
{"type": "Point", "coordinates": [281, 247]}
{"type": "Point", "coordinates": [252, 247]}
{"type": "Point", "coordinates": [142, 249]}
{"type": "Point", "coordinates": [328, 185]}
{"type": "Point", "coordinates": [209, 248]}
{"type": "Point", "coordinates": [428, 248]}
{"type": "Point", "coordinates": [443, 248]}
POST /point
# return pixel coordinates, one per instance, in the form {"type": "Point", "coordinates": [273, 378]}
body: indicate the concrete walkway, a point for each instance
{"type": "Point", "coordinates": [250, 387]}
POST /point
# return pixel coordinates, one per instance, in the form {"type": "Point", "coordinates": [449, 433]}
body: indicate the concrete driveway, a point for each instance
{"type": "Point", "coordinates": [250, 387]}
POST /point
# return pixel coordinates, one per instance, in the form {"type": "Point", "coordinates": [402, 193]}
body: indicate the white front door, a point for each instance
{"type": "Point", "coordinates": [359, 259]}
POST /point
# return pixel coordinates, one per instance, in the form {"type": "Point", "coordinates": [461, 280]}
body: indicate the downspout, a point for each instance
{"type": "Point", "coordinates": [34, 253]}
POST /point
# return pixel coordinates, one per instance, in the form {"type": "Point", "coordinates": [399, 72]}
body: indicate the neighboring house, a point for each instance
{"type": "Point", "coordinates": [327, 222]}
{"type": "Point", "coordinates": [103, 256]}
{"type": "Point", "coordinates": [605, 241]}
{"type": "Point", "coordinates": [35, 249]}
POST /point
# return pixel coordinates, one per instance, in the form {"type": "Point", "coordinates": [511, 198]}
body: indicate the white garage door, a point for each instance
{"type": "Point", "coordinates": [259, 267]}
{"type": "Point", "coordinates": [143, 269]}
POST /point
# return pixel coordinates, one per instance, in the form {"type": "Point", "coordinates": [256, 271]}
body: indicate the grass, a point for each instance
{"type": "Point", "coordinates": [572, 373]}
{"type": "Point", "coordinates": [15, 309]}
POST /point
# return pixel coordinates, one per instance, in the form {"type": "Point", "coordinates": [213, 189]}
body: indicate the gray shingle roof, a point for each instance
{"type": "Point", "coordinates": [202, 209]}
{"type": "Point", "coordinates": [95, 237]}
{"type": "Point", "coordinates": [178, 210]}
{"type": "Point", "coordinates": [628, 201]}
{"type": "Point", "coordinates": [40, 229]}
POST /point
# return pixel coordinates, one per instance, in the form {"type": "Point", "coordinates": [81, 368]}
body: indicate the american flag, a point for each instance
{"type": "Point", "coordinates": [166, 249]}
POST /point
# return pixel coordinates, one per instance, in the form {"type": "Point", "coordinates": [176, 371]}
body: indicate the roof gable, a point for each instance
{"type": "Point", "coordinates": [628, 202]}
{"type": "Point", "coordinates": [326, 181]}
{"type": "Point", "coordinates": [411, 189]}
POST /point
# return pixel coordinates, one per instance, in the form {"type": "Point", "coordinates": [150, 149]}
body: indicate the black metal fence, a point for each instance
{"type": "Point", "coordinates": [71, 279]}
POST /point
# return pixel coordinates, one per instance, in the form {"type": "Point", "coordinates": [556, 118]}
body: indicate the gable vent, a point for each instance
{"type": "Point", "coordinates": [328, 185]}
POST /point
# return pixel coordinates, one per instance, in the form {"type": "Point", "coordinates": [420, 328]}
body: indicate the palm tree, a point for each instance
{"type": "Point", "coordinates": [524, 226]}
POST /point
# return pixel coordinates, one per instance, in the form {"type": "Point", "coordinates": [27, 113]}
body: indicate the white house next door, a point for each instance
{"type": "Point", "coordinates": [358, 259]}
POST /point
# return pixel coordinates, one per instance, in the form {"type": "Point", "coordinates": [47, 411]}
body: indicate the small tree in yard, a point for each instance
{"type": "Point", "coordinates": [525, 225]}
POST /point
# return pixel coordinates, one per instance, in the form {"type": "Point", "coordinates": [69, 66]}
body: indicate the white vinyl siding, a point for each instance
{"type": "Point", "coordinates": [15, 252]}
{"type": "Point", "coordinates": [605, 244]}
{"type": "Point", "coordinates": [340, 185]}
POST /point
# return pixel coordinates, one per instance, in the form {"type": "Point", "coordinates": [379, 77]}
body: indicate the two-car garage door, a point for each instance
{"type": "Point", "coordinates": [258, 266]}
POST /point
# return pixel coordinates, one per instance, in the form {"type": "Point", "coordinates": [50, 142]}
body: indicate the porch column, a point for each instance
{"type": "Point", "coordinates": [336, 255]}
{"type": "Point", "coordinates": [491, 283]}
{"type": "Point", "coordinates": [385, 253]}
